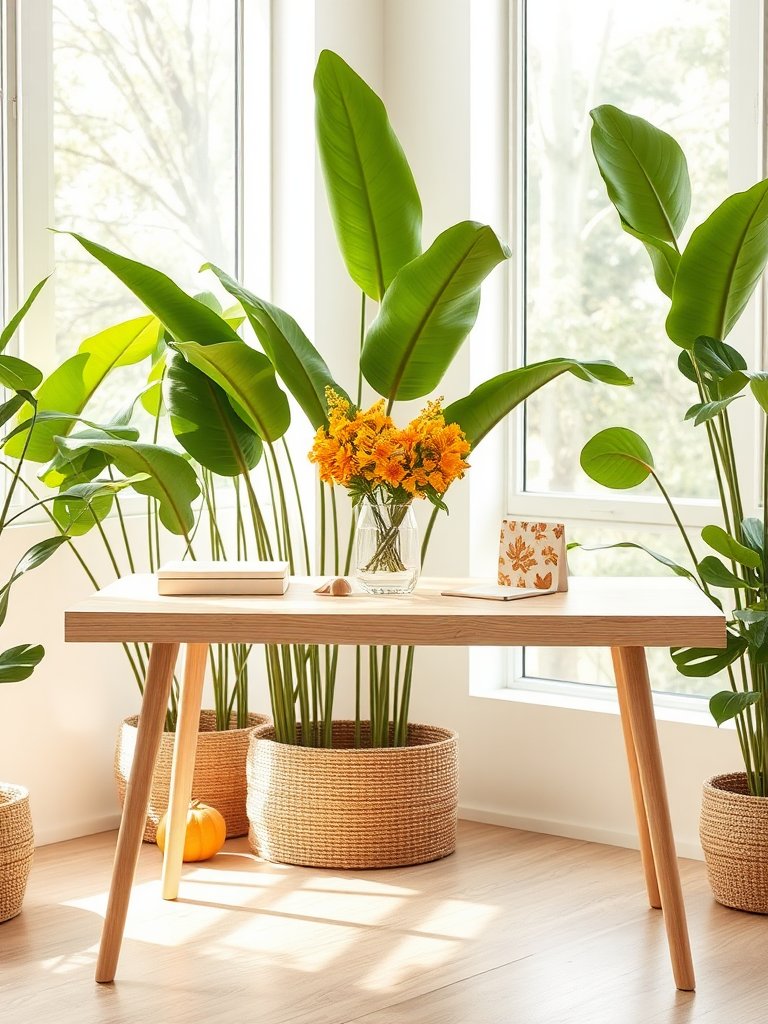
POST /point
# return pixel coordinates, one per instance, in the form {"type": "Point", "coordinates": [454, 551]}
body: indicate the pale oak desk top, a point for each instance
{"type": "Point", "coordinates": [649, 611]}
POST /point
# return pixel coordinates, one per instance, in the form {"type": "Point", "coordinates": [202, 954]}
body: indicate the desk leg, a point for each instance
{"type": "Point", "coordinates": [639, 706]}
{"type": "Point", "coordinates": [641, 815]}
{"type": "Point", "coordinates": [157, 690]}
{"type": "Point", "coordinates": [183, 768]}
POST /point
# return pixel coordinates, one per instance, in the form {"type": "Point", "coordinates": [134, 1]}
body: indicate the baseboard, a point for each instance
{"type": "Point", "coordinates": [570, 830]}
{"type": "Point", "coordinates": [76, 830]}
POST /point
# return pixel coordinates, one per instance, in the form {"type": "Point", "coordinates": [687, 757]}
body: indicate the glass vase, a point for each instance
{"type": "Point", "coordinates": [387, 556]}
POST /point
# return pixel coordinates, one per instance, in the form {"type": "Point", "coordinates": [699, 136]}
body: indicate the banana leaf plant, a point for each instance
{"type": "Point", "coordinates": [19, 380]}
{"type": "Point", "coordinates": [708, 283]}
{"type": "Point", "coordinates": [227, 400]}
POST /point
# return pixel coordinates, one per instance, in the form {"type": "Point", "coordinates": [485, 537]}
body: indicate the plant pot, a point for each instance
{"type": "Point", "coordinates": [372, 807]}
{"type": "Point", "coordinates": [17, 847]}
{"type": "Point", "coordinates": [734, 836]}
{"type": "Point", "coordinates": [219, 778]}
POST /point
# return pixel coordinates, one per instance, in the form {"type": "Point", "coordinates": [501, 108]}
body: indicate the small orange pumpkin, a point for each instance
{"type": "Point", "coordinates": [205, 835]}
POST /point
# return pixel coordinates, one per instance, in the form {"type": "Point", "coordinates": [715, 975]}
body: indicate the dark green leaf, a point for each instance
{"type": "Point", "coordinates": [19, 663]}
{"type": "Point", "coordinates": [699, 662]}
{"type": "Point", "coordinates": [705, 411]}
{"type": "Point", "coordinates": [31, 559]}
{"type": "Point", "coordinates": [248, 378]}
{"type": "Point", "coordinates": [727, 704]}
{"type": "Point", "coordinates": [479, 412]}
{"type": "Point", "coordinates": [10, 408]}
{"type": "Point", "coordinates": [617, 457]}
{"type": "Point", "coordinates": [373, 199]}
{"type": "Point", "coordinates": [204, 422]}
{"type": "Point", "coordinates": [713, 571]}
{"type": "Point", "coordinates": [724, 544]}
{"type": "Point", "coordinates": [645, 173]}
{"type": "Point", "coordinates": [428, 311]}
{"type": "Point", "coordinates": [298, 363]}
{"type": "Point", "coordinates": [720, 268]}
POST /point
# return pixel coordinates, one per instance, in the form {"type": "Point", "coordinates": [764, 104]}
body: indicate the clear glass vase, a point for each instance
{"type": "Point", "coordinates": [387, 556]}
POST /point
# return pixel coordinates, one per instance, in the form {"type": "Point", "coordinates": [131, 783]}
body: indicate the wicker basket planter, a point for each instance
{"type": "Point", "coordinates": [353, 808]}
{"type": "Point", "coordinates": [734, 836]}
{"type": "Point", "coordinates": [219, 778]}
{"type": "Point", "coordinates": [17, 847]}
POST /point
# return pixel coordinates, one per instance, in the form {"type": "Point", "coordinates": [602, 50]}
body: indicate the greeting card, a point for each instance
{"type": "Point", "coordinates": [532, 556]}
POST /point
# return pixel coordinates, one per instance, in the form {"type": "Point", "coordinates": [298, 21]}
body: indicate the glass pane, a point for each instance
{"type": "Point", "coordinates": [589, 287]}
{"type": "Point", "coordinates": [144, 129]}
{"type": "Point", "coordinates": [593, 665]}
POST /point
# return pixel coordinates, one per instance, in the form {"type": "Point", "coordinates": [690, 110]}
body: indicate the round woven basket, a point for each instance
{"type": "Point", "coordinates": [17, 847]}
{"type": "Point", "coordinates": [371, 807]}
{"type": "Point", "coordinates": [734, 837]}
{"type": "Point", "coordinates": [219, 778]}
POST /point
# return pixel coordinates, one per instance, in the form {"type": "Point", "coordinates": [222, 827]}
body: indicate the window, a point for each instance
{"type": "Point", "coordinates": [132, 131]}
{"type": "Point", "coordinates": [693, 67]}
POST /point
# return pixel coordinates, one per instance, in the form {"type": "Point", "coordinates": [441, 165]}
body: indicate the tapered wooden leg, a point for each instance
{"type": "Point", "coordinates": [634, 672]}
{"type": "Point", "coordinates": [183, 767]}
{"type": "Point", "coordinates": [641, 816]}
{"type": "Point", "coordinates": [157, 689]}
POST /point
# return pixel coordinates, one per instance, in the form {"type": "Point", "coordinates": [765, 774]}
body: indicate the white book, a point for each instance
{"type": "Point", "coordinates": [213, 578]}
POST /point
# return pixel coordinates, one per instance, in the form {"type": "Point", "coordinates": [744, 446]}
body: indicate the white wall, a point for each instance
{"type": "Point", "coordinates": [542, 767]}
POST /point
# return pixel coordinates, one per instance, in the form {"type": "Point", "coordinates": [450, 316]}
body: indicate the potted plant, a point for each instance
{"type": "Point", "coordinates": [708, 284]}
{"type": "Point", "coordinates": [178, 493]}
{"type": "Point", "coordinates": [19, 379]}
{"type": "Point", "coordinates": [428, 302]}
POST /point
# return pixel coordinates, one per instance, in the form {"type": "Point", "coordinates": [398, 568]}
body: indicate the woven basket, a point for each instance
{"type": "Point", "coordinates": [219, 778]}
{"type": "Point", "coordinates": [370, 807]}
{"type": "Point", "coordinates": [17, 847]}
{"type": "Point", "coordinates": [734, 836]}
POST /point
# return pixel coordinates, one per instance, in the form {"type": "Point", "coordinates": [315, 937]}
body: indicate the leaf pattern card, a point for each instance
{"type": "Point", "coordinates": [532, 555]}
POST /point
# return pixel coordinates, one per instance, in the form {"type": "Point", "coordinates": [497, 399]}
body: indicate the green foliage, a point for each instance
{"type": "Point", "coordinates": [19, 662]}
{"type": "Point", "coordinates": [428, 311]}
{"type": "Point", "coordinates": [716, 274]}
{"type": "Point", "coordinates": [371, 193]}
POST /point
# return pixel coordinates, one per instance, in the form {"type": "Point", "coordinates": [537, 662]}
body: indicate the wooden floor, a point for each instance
{"type": "Point", "coordinates": [515, 928]}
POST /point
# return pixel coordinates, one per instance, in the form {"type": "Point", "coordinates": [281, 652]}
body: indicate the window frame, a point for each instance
{"type": "Point", "coordinates": [28, 183]}
{"type": "Point", "coordinates": [747, 164]}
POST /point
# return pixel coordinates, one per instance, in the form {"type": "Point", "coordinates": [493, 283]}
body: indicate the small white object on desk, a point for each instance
{"type": "Point", "coordinates": [176, 579]}
{"type": "Point", "coordinates": [495, 592]}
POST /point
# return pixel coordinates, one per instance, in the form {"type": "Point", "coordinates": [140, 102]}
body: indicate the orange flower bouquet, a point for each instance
{"type": "Point", "coordinates": [385, 467]}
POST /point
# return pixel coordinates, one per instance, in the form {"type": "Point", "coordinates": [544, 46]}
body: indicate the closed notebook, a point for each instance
{"type": "Point", "coordinates": [216, 578]}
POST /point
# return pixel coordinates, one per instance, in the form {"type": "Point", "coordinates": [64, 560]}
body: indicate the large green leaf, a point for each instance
{"type": "Point", "coordinates": [727, 704]}
{"type": "Point", "coordinates": [713, 571]}
{"type": "Point", "coordinates": [73, 384]}
{"type": "Point", "coordinates": [84, 463]}
{"type": "Point", "coordinates": [297, 361]}
{"type": "Point", "coordinates": [479, 411]}
{"type": "Point", "coordinates": [617, 457]}
{"type": "Point", "coordinates": [724, 544]}
{"type": "Point", "coordinates": [645, 173]}
{"type": "Point", "coordinates": [428, 311]}
{"type": "Point", "coordinates": [18, 375]}
{"type": "Point", "coordinates": [248, 377]}
{"type": "Point", "coordinates": [19, 663]}
{"type": "Point", "coordinates": [185, 317]}
{"type": "Point", "coordinates": [204, 422]}
{"type": "Point", "coordinates": [373, 198]}
{"type": "Point", "coordinates": [169, 477]}
{"type": "Point", "coordinates": [700, 662]}
{"type": "Point", "coordinates": [720, 268]}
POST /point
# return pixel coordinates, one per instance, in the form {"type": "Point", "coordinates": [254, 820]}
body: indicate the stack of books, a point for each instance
{"type": "Point", "coordinates": [214, 578]}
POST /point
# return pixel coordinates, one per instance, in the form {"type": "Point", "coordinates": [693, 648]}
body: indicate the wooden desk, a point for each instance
{"type": "Point", "coordinates": [626, 615]}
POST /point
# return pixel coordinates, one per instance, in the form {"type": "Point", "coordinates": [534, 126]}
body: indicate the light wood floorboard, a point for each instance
{"type": "Point", "coordinates": [515, 928]}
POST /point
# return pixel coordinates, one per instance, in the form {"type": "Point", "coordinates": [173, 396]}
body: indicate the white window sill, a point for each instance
{"type": "Point", "coordinates": [571, 697]}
